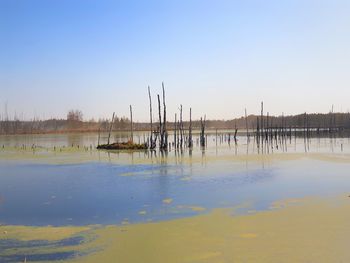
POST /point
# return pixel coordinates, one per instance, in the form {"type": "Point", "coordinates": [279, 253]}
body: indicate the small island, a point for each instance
{"type": "Point", "coordinates": [123, 146]}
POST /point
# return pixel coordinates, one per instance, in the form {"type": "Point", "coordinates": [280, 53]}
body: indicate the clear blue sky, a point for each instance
{"type": "Point", "coordinates": [216, 56]}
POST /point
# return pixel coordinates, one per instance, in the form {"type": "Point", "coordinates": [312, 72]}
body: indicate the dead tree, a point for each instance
{"type": "Point", "coordinates": [178, 133]}
{"type": "Point", "coordinates": [262, 121]}
{"type": "Point", "coordinates": [181, 128]}
{"type": "Point", "coordinates": [164, 131]}
{"type": "Point", "coordinates": [246, 124]}
{"type": "Point", "coordinates": [131, 126]}
{"type": "Point", "coordinates": [202, 136]}
{"type": "Point", "coordinates": [267, 129]}
{"type": "Point", "coordinates": [190, 143]}
{"type": "Point", "coordinates": [110, 128]}
{"type": "Point", "coordinates": [152, 143]}
{"type": "Point", "coordinates": [175, 144]}
{"type": "Point", "coordinates": [257, 131]}
{"type": "Point", "coordinates": [235, 134]}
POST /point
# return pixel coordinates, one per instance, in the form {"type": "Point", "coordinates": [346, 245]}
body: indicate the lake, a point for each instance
{"type": "Point", "coordinates": [62, 180]}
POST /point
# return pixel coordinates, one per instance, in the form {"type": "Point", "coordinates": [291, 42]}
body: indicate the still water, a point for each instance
{"type": "Point", "coordinates": [62, 180]}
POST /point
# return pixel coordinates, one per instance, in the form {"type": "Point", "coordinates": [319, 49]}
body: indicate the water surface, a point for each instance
{"type": "Point", "coordinates": [63, 181]}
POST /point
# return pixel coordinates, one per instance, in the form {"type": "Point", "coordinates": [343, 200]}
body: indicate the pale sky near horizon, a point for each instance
{"type": "Point", "coordinates": [217, 57]}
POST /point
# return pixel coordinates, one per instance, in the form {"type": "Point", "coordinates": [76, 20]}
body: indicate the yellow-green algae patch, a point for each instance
{"type": "Point", "coordinates": [193, 208]}
{"type": "Point", "coordinates": [69, 155]}
{"type": "Point", "coordinates": [18, 243]}
{"type": "Point", "coordinates": [167, 201]}
{"type": "Point", "coordinates": [26, 233]}
{"type": "Point", "coordinates": [315, 230]}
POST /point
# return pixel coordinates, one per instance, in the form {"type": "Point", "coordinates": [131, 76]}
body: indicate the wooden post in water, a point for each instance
{"type": "Point", "coordinates": [190, 144]}
{"type": "Point", "coordinates": [181, 128]}
{"type": "Point", "coordinates": [150, 116]}
{"type": "Point", "coordinates": [175, 144]}
{"type": "Point", "coordinates": [332, 122]}
{"type": "Point", "coordinates": [202, 137]}
{"type": "Point", "coordinates": [235, 135]}
{"type": "Point", "coordinates": [262, 121]}
{"type": "Point", "coordinates": [165, 134]}
{"type": "Point", "coordinates": [110, 128]}
{"type": "Point", "coordinates": [98, 139]}
{"type": "Point", "coordinates": [304, 132]}
{"type": "Point", "coordinates": [267, 127]}
{"type": "Point", "coordinates": [160, 124]}
{"type": "Point", "coordinates": [131, 126]}
{"type": "Point", "coordinates": [257, 132]}
{"type": "Point", "coordinates": [246, 124]}
{"type": "Point", "coordinates": [178, 133]}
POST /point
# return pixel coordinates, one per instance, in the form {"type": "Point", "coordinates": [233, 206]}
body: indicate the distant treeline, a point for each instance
{"type": "Point", "coordinates": [75, 124]}
{"type": "Point", "coordinates": [60, 126]}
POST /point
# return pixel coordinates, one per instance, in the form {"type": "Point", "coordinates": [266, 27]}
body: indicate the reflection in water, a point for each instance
{"type": "Point", "coordinates": [108, 186]}
{"type": "Point", "coordinates": [107, 193]}
{"type": "Point", "coordinates": [214, 141]}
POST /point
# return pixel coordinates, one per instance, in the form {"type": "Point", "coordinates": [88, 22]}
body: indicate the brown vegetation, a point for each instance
{"type": "Point", "coordinates": [123, 146]}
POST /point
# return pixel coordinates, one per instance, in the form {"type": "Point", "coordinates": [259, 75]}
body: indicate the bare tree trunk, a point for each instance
{"type": "Point", "coordinates": [235, 135]}
{"type": "Point", "coordinates": [131, 126]}
{"type": "Point", "coordinates": [181, 127]}
{"type": "Point", "coordinates": [98, 139]}
{"type": "Point", "coordinates": [267, 127]}
{"type": "Point", "coordinates": [150, 116]}
{"type": "Point", "coordinates": [165, 134]}
{"type": "Point", "coordinates": [246, 124]}
{"type": "Point", "coordinates": [202, 136]}
{"type": "Point", "coordinates": [110, 128]}
{"type": "Point", "coordinates": [190, 143]}
{"type": "Point", "coordinates": [175, 144]}
{"type": "Point", "coordinates": [257, 132]}
{"type": "Point", "coordinates": [262, 120]}
{"type": "Point", "coordinates": [160, 124]}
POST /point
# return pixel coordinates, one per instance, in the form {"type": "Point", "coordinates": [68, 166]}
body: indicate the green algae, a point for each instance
{"type": "Point", "coordinates": [315, 230]}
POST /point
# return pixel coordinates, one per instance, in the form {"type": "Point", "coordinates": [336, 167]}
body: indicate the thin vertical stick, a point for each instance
{"type": "Point", "coordinates": [190, 130]}
{"type": "Point", "coordinates": [131, 126]}
{"type": "Point", "coordinates": [262, 119]}
{"type": "Point", "coordinates": [246, 123]}
{"type": "Point", "coordinates": [267, 127]}
{"type": "Point", "coordinates": [160, 124]}
{"type": "Point", "coordinates": [165, 136]}
{"type": "Point", "coordinates": [181, 127]}
{"type": "Point", "coordinates": [235, 135]}
{"type": "Point", "coordinates": [98, 139]}
{"type": "Point", "coordinates": [150, 116]}
{"type": "Point", "coordinates": [110, 128]}
{"type": "Point", "coordinates": [257, 132]}
{"type": "Point", "coordinates": [175, 145]}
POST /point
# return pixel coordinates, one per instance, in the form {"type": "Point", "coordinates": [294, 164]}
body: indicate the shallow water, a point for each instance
{"type": "Point", "coordinates": [72, 184]}
{"type": "Point", "coordinates": [63, 181]}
